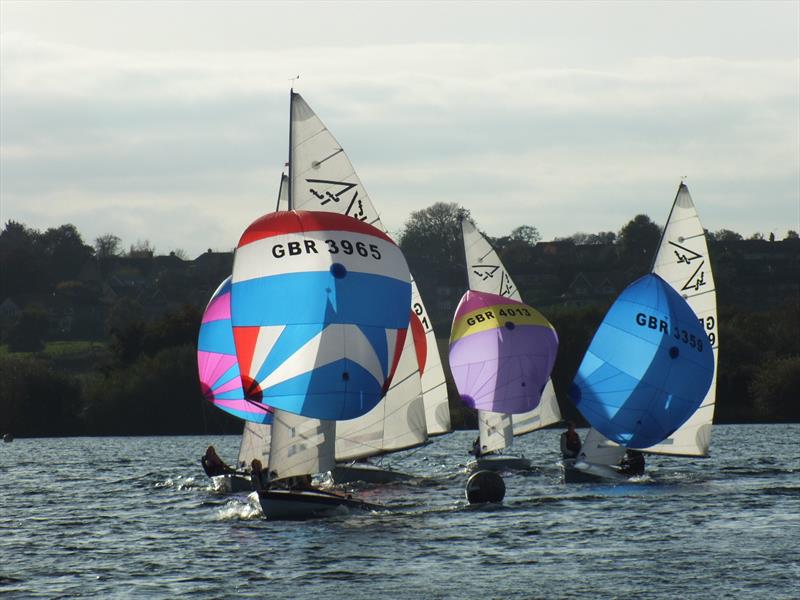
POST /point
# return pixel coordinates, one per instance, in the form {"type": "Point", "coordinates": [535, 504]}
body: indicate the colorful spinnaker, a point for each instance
{"type": "Point", "coordinates": [501, 353]}
{"type": "Point", "coordinates": [647, 368]}
{"type": "Point", "coordinates": [319, 306]}
{"type": "Point", "coordinates": [220, 379]}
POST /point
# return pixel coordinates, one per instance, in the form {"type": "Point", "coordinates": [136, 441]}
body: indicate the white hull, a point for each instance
{"type": "Point", "coordinates": [580, 471]}
{"type": "Point", "coordinates": [499, 462]}
{"type": "Point", "coordinates": [308, 504]}
{"type": "Point", "coordinates": [367, 473]}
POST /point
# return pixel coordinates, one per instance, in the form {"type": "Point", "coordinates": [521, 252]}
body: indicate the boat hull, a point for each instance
{"type": "Point", "coordinates": [366, 473]}
{"type": "Point", "coordinates": [231, 484]}
{"type": "Point", "coordinates": [579, 471]}
{"type": "Point", "coordinates": [308, 504]}
{"type": "Point", "coordinates": [499, 462]}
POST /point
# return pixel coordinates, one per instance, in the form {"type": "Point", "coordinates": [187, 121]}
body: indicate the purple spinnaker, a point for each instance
{"type": "Point", "coordinates": [501, 353]}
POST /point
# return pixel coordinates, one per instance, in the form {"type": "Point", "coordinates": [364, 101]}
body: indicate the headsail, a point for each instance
{"type": "Point", "coordinates": [647, 368]}
{"type": "Point", "coordinates": [337, 292]}
{"type": "Point", "coordinates": [323, 178]}
{"type": "Point", "coordinates": [217, 366]}
{"type": "Point", "coordinates": [683, 262]}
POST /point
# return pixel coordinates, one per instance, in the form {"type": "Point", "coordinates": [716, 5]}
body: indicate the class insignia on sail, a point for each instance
{"type": "Point", "coordinates": [647, 368]}
{"type": "Point", "coordinates": [501, 353]}
{"type": "Point", "coordinates": [218, 368]}
{"type": "Point", "coordinates": [319, 306]}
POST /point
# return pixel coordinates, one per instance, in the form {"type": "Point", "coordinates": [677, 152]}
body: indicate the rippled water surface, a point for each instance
{"type": "Point", "coordinates": [136, 517]}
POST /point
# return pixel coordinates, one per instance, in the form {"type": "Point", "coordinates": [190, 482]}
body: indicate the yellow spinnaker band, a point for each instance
{"type": "Point", "coordinates": [494, 317]}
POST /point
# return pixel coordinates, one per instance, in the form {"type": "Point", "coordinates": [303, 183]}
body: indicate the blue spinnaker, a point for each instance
{"type": "Point", "coordinates": [647, 368]}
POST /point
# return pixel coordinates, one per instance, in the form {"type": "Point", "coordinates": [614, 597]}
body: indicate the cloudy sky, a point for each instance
{"type": "Point", "coordinates": [168, 122]}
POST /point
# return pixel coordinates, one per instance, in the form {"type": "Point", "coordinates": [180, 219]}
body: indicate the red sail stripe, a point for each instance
{"type": "Point", "coordinates": [296, 221]}
{"type": "Point", "coordinates": [420, 341]}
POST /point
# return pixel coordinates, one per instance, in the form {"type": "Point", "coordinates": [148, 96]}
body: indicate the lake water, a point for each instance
{"type": "Point", "coordinates": [136, 517]}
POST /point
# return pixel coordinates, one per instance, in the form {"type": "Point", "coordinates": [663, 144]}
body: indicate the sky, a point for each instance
{"type": "Point", "coordinates": [167, 122]}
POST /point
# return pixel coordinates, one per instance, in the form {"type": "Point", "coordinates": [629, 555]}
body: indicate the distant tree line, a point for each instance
{"type": "Point", "coordinates": [138, 373]}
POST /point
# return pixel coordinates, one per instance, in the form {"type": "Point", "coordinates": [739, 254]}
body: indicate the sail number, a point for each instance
{"type": "Point", "coordinates": [651, 322]}
{"type": "Point", "coordinates": [708, 324]}
{"type": "Point", "coordinates": [333, 247]}
{"type": "Point", "coordinates": [419, 310]}
{"type": "Point", "coordinates": [503, 312]}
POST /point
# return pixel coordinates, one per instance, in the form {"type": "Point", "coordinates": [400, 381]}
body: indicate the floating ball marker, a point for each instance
{"type": "Point", "coordinates": [485, 486]}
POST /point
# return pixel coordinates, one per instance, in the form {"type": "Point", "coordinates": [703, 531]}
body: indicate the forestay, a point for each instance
{"type": "Point", "coordinates": [323, 178]}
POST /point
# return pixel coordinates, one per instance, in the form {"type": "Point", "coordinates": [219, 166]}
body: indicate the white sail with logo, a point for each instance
{"type": "Point", "coordinates": [323, 178]}
{"type": "Point", "coordinates": [683, 262]}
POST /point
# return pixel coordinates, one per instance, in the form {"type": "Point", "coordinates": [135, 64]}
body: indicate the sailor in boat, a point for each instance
{"type": "Point", "coordinates": [213, 465]}
{"type": "Point", "coordinates": [632, 463]}
{"type": "Point", "coordinates": [476, 447]}
{"type": "Point", "coordinates": [259, 478]}
{"type": "Point", "coordinates": [570, 442]}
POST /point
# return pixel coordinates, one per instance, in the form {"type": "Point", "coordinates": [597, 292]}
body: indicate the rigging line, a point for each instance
{"type": "Point", "coordinates": [691, 237]}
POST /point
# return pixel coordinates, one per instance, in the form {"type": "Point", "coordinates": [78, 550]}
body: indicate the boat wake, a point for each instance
{"type": "Point", "coordinates": [241, 508]}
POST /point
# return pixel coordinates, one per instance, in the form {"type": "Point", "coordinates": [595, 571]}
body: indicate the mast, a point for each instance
{"type": "Point", "coordinates": [291, 119]}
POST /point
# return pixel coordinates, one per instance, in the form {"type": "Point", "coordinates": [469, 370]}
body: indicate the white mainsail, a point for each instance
{"type": "Point", "coordinates": [682, 261]}
{"type": "Point", "coordinates": [300, 445]}
{"type": "Point", "coordinates": [486, 273]}
{"type": "Point", "coordinates": [323, 178]}
{"type": "Point", "coordinates": [495, 430]}
{"type": "Point", "coordinates": [255, 443]}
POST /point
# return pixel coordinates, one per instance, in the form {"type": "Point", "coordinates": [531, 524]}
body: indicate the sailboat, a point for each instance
{"type": "Point", "coordinates": [683, 262]}
{"type": "Point", "coordinates": [319, 307]}
{"type": "Point", "coordinates": [486, 273]}
{"type": "Point", "coordinates": [322, 178]}
{"type": "Point", "coordinates": [221, 384]}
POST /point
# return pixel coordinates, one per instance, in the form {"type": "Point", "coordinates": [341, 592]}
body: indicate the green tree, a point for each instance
{"type": "Point", "coordinates": [433, 236]}
{"type": "Point", "coordinates": [29, 333]}
{"type": "Point", "coordinates": [638, 239]}
{"type": "Point", "coordinates": [107, 246]}
{"type": "Point", "coordinates": [22, 265]}
{"type": "Point", "coordinates": [726, 235]}
{"type": "Point", "coordinates": [527, 234]}
{"type": "Point", "coordinates": [65, 252]}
